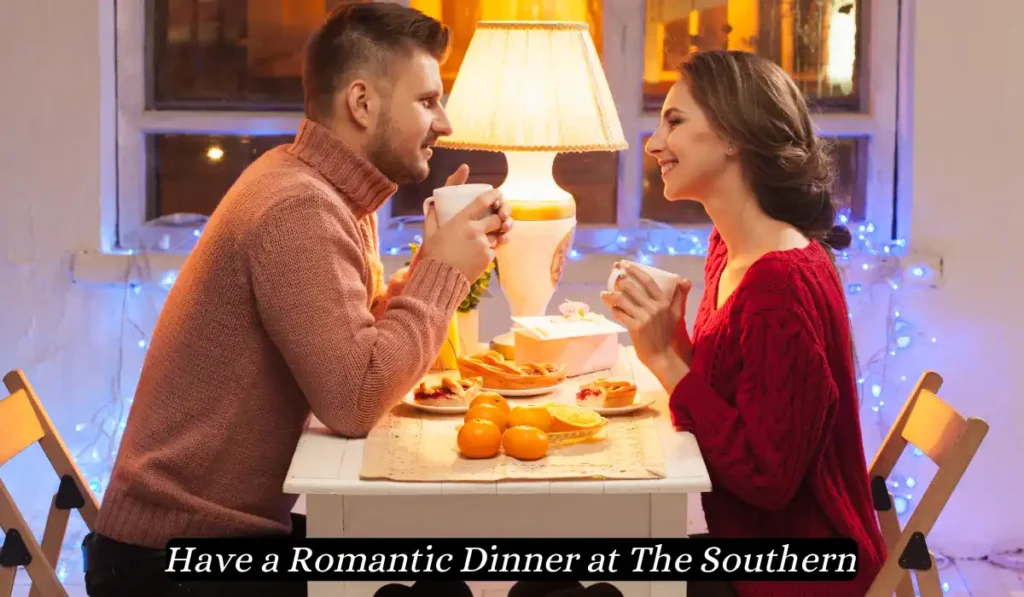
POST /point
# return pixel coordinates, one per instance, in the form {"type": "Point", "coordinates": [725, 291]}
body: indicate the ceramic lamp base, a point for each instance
{"type": "Point", "coordinates": [530, 265]}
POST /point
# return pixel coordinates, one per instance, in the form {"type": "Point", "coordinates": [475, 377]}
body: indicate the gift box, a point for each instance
{"type": "Point", "coordinates": [585, 342]}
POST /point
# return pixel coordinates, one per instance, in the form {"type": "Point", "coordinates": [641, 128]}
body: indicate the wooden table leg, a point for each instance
{"type": "Point", "coordinates": [668, 520]}
{"type": "Point", "coordinates": [325, 518]}
{"type": "Point", "coordinates": [498, 515]}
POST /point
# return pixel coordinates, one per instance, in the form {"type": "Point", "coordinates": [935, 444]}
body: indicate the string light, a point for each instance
{"type": "Point", "coordinates": [95, 442]}
{"type": "Point", "coordinates": [885, 378]}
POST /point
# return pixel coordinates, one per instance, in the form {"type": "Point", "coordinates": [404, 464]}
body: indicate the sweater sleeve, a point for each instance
{"type": "Point", "coordinates": [759, 448]}
{"type": "Point", "coordinates": [306, 264]}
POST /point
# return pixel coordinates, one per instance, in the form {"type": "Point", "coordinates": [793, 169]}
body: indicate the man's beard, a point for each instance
{"type": "Point", "coordinates": [387, 158]}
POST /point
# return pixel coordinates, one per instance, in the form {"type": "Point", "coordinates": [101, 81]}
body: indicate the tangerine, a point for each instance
{"type": "Point", "coordinates": [573, 418]}
{"type": "Point", "coordinates": [491, 398]}
{"type": "Point", "coordinates": [525, 443]}
{"type": "Point", "coordinates": [531, 416]}
{"type": "Point", "coordinates": [479, 438]}
{"type": "Point", "coordinates": [490, 412]}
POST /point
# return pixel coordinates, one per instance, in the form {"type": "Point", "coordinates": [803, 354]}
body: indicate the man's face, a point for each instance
{"type": "Point", "coordinates": [411, 119]}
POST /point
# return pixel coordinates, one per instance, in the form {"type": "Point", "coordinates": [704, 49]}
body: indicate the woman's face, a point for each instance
{"type": "Point", "coordinates": [692, 156]}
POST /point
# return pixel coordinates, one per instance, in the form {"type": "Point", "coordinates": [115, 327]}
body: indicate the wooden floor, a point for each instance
{"type": "Point", "coordinates": [964, 578]}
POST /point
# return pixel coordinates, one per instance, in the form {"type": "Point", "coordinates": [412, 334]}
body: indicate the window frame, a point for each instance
{"type": "Point", "coordinates": [878, 123]}
{"type": "Point", "coordinates": [882, 49]}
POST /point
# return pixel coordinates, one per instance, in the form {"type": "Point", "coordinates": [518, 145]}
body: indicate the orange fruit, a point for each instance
{"type": "Point", "coordinates": [573, 418]}
{"type": "Point", "coordinates": [479, 438]}
{"type": "Point", "coordinates": [490, 412]}
{"type": "Point", "coordinates": [531, 416]}
{"type": "Point", "coordinates": [491, 398]}
{"type": "Point", "coordinates": [525, 443]}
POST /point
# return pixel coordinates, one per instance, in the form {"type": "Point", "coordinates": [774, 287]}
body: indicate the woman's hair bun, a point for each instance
{"type": "Point", "coordinates": [839, 238]}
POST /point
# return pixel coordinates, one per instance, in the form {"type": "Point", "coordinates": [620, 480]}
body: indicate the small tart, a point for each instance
{"type": "Point", "coordinates": [604, 393]}
{"type": "Point", "coordinates": [449, 391]}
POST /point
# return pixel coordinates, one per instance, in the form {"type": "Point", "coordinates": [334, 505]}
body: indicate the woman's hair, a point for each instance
{"type": "Point", "coordinates": [753, 102]}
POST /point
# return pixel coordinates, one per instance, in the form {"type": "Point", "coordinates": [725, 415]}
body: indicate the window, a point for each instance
{"type": "Point", "coordinates": [204, 88]}
{"type": "Point", "coordinates": [849, 154]}
{"type": "Point", "coordinates": [589, 177]}
{"type": "Point", "coordinates": [815, 41]}
{"type": "Point", "coordinates": [230, 54]}
{"type": "Point", "coordinates": [841, 53]}
{"type": "Point", "coordinates": [191, 173]}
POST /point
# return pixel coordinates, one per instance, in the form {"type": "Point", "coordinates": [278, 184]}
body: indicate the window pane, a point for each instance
{"type": "Point", "coordinates": [247, 54]}
{"type": "Point", "coordinates": [191, 173]}
{"type": "Point", "coordinates": [850, 186]}
{"type": "Point", "coordinates": [231, 54]}
{"type": "Point", "coordinates": [461, 16]}
{"type": "Point", "coordinates": [591, 178]}
{"type": "Point", "coordinates": [815, 41]}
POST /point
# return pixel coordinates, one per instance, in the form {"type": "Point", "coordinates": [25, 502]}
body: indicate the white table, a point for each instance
{"type": "Point", "coordinates": [326, 468]}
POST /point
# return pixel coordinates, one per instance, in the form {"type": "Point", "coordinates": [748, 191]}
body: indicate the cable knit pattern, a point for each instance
{"type": "Point", "coordinates": [771, 398]}
{"type": "Point", "coordinates": [280, 310]}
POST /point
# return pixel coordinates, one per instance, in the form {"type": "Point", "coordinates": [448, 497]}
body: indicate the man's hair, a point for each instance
{"type": "Point", "coordinates": [364, 39]}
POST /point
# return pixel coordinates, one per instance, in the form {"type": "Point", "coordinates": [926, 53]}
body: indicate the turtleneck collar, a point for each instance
{"type": "Point", "coordinates": [362, 185]}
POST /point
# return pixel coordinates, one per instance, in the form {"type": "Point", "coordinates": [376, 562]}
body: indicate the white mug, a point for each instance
{"type": "Point", "coordinates": [449, 201]}
{"type": "Point", "coordinates": [666, 281]}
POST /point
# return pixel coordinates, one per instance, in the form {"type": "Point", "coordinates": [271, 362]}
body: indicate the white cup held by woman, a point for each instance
{"type": "Point", "coordinates": [666, 281]}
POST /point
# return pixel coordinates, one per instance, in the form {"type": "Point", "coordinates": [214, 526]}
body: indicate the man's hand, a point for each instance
{"type": "Point", "coordinates": [467, 241]}
{"type": "Point", "coordinates": [502, 209]}
{"type": "Point", "coordinates": [460, 176]}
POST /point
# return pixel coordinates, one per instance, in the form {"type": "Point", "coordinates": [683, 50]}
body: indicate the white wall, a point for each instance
{"type": "Point", "coordinates": [63, 336]}
{"type": "Point", "coordinates": [969, 207]}
{"type": "Point", "coordinates": [966, 183]}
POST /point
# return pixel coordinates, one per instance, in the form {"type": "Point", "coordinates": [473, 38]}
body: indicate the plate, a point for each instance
{"type": "Point", "coordinates": [457, 409]}
{"type": "Point", "coordinates": [523, 392]}
{"type": "Point", "coordinates": [641, 401]}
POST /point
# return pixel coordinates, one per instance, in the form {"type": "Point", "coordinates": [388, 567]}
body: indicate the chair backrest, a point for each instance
{"type": "Point", "coordinates": [23, 422]}
{"type": "Point", "coordinates": [948, 439]}
{"type": "Point", "coordinates": [20, 426]}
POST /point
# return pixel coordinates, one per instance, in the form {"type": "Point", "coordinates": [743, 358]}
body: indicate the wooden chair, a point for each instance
{"type": "Point", "coordinates": [23, 421]}
{"type": "Point", "coordinates": [950, 441]}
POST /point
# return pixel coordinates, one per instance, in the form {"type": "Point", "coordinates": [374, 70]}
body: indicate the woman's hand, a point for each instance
{"type": "Point", "coordinates": [651, 317]}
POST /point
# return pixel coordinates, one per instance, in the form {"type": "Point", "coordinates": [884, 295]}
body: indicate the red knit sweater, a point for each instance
{"type": "Point", "coordinates": [772, 400]}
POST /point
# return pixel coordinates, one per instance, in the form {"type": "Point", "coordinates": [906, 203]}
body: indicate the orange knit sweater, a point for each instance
{"type": "Point", "coordinates": [280, 309]}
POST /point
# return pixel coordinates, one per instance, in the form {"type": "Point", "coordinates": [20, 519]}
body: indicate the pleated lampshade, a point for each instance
{"type": "Point", "coordinates": [532, 86]}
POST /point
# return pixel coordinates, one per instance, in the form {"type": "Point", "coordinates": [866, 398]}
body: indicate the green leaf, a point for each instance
{"type": "Point", "coordinates": [476, 289]}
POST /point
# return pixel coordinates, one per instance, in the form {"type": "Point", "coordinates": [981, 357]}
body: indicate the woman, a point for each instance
{"type": "Point", "coordinates": [766, 382]}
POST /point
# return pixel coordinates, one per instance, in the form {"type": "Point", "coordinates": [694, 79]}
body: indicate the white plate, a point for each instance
{"type": "Point", "coordinates": [458, 409]}
{"type": "Point", "coordinates": [641, 401]}
{"type": "Point", "coordinates": [523, 392]}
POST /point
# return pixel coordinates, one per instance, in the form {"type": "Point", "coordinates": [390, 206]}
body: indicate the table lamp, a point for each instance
{"type": "Point", "coordinates": [532, 89]}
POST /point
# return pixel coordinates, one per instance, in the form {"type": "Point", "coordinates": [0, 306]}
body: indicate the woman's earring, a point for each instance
{"type": "Point", "coordinates": [730, 150]}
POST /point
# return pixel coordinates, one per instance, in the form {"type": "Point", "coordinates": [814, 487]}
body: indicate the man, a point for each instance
{"type": "Point", "coordinates": [281, 309]}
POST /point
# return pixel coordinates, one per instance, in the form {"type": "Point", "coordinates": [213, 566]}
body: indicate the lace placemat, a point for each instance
{"type": "Point", "coordinates": [412, 445]}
